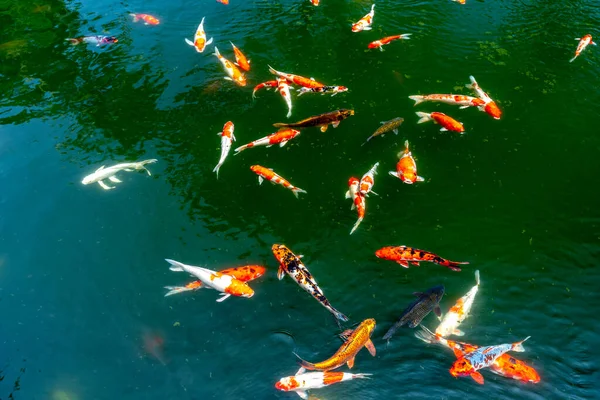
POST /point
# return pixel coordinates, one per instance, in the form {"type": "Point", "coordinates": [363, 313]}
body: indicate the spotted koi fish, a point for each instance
{"type": "Point", "coordinates": [368, 180]}
{"type": "Point", "coordinates": [358, 201]}
{"type": "Point", "coordinates": [234, 73]}
{"type": "Point", "coordinates": [200, 41]}
{"type": "Point", "coordinates": [147, 18]}
{"type": "Point", "coordinates": [490, 106]}
{"type": "Point", "coordinates": [406, 169]}
{"type": "Point", "coordinates": [452, 99]}
{"type": "Point", "coordinates": [583, 43]}
{"type": "Point", "coordinates": [378, 44]}
{"type": "Point", "coordinates": [268, 174]}
{"type": "Point", "coordinates": [226, 284]}
{"type": "Point", "coordinates": [280, 137]}
{"type": "Point", "coordinates": [240, 59]}
{"type": "Point", "coordinates": [404, 255]}
{"type": "Point", "coordinates": [301, 382]}
{"type": "Point", "coordinates": [459, 312]}
{"type": "Point", "coordinates": [267, 84]}
{"type": "Point", "coordinates": [227, 137]}
{"type": "Point", "coordinates": [322, 121]}
{"type": "Point", "coordinates": [323, 90]}
{"type": "Point", "coordinates": [297, 79]}
{"type": "Point", "coordinates": [290, 263]}
{"type": "Point", "coordinates": [364, 24]}
{"type": "Point", "coordinates": [246, 273]}
{"type": "Point", "coordinates": [284, 91]}
{"type": "Point", "coordinates": [447, 123]}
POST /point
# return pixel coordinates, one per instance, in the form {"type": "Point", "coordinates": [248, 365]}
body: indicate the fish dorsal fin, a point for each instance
{"type": "Point", "coordinates": [100, 169]}
{"type": "Point", "coordinates": [300, 371]}
{"type": "Point", "coordinates": [346, 334]}
{"type": "Point", "coordinates": [350, 363]}
{"type": "Point", "coordinates": [418, 294]}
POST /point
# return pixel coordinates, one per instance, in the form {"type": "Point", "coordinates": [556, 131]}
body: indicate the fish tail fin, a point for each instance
{"type": "Point", "coordinates": [305, 364]}
{"type": "Point", "coordinates": [358, 221]}
{"type": "Point", "coordinates": [297, 190]}
{"type": "Point", "coordinates": [453, 265]}
{"type": "Point", "coordinates": [519, 345]}
{"type": "Point", "coordinates": [477, 279]}
{"type": "Point", "coordinates": [217, 52]}
{"type": "Point", "coordinates": [339, 315]}
{"type": "Point", "coordinates": [417, 98]}
{"type": "Point", "coordinates": [373, 7]}
{"type": "Point", "coordinates": [175, 265]}
{"type": "Point", "coordinates": [405, 36]}
{"type": "Point", "coordinates": [572, 59]}
{"type": "Point", "coordinates": [272, 70]}
{"type": "Point", "coordinates": [216, 169]}
{"type": "Point", "coordinates": [424, 117]}
{"type": "Point", "coordinates": [361, 376]}
{"type": "Point", "coordinates": [176, 289]}
{"type": "Point", "coordinates": [135, 17]}
{"type": "Point", "coordinates": [392, 330]}
{"type": "Point", "coordinates": [141, 165]}
{"type": "Point", "coordinates": [74, 40]}
{"type": "Point", "coordinates": [239, 150]}
{"type": "Point", "coordinates": [472, 84]}
{"type": "Point", "coordinates": [425, 335]}
{"type": "Point", "coordinates": [279, 125]}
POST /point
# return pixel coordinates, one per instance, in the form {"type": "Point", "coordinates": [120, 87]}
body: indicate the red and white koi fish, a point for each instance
{"type": "Point", "coordinates": [315, 2]}
{"type": "Point", "coordinates": [490, 105]}
{"type": "Point", "coordinates": [303, 381]}
{"type": "Point", "coordinates": [227, 138]}
{"type": "Point", "coordinates": [246, 273]}
{"type": "Point", "coordinates": [368, 180]}
{"type": "Point", "coordinates": [378, 44]}
{"type": "Point", "coordinates": [147, 18]}
{"type": "Point", "coordinates": [358, 201]}
{"type": "Point", "coordinates": [353, 189]}
{"type": "Point", "coordinates": [97, 40]}
{"type": "Point", "coordinates": [452, 99]}
{"type": "Point", "coordinates": [226, 284]}
{"type": "Point", "coordinates": [234, 73]}
{"type": "Point", "coordinates": [406, 169]}
{"type": "Point", "coordinates": [458, 313]}
{"type": "Point", "coordinates": [284, 91]}
{"type": "Point", "coordinates": [280, 137]}
{"type": "Point", "coordinates": [267, 84]}
{"type": "Point", "coordinates": [583, 43]}
{"type": "Point", "coordinates": [323, 90]}
{"type": "Point", "coordinates": [240, 59]}
{"type": "Point", "coordinates": [447, 123]}
{"type": "Point", "coordinates": [200, 41]}
{"type": "Point", "coordinates": [297, 79]}
{"type": "Point", "coordinates": [364, 24]}
{"type": "Point", "coordinates": [268, 174]}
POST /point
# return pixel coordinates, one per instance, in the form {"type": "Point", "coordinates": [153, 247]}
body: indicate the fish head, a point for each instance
{"type": "Point", "coordinates": [239, 288]}
{"type": "Point", "coordinates": [384, 252]}
{"type": "Point", "coordinates": [287, 383]}
{"type": "Point", "coordinates": [375, 44]}
{"type": "Point", "coordinates": [280, 251]}
{"type": "Point", "coordinates": [353, 182]}
{"type": "Point", "coordinates": [368, 325]}
{"type": "Point", "coordinates": [436, 293]}
{"type": "Point", "coordinates": [357, 27]}
{"type": "Point", "coordinates": [110, 39]}
{"type": "Point", "coordinates": [255, 168]}
{"type": "Point", "coordinates": [461, 367]}
{"type": "Point", "coordinates": [87, 180]}
{"type": "Point", "coordinates": [492, 109]}
{"type": "Point", "coordinates": [241, 80]}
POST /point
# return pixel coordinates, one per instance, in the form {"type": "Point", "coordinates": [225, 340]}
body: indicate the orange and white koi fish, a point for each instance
{"type": "Point", "coordinates": [368, 180]}
{"type": "Point", "coordinates": [364, 24]}
{"type": "Point", "coordinates": [452, 99]}
{"type": "Point", "coordinates": [246, 273]}
{"type": "Point", "coordinates": [297, 79]}
{"type": "Point", "coordinates": [583, 43]}
{"type": "Point", "coordinates": [234, 73]}
{"type": "Point", "coordinates": [406, 169]}
{"type": "Point", "coordinates": [404, 255]}
{"type": "Point", "coordinates": [268, 174]}
{"type": "Point", "coordinates": [147, 18]}
{"type": "Point", "coordinates": [284, 91]}
{"type": "Point", "coordinates": [459, 312]}
{"type": "Point", "coordinates": [351, 193]}
{"type": "Point", "coordinates": [280, 137]}
{"type": "Point", "coordinates": [490, 106]}
{"type": "Point", "coordinates": [267, 84]}
{"type": "Point", "coordinates": [227, 137]}
{"type": "Point", "coordinates": [226, 284]}
{"type": "Point", "coordinates": [323, 90]}
{"type": "Point", "coordinates": [460, 1]}
{"type": "Point", "coordinates": [223, 1]}
{"type": "Point", "coordinates": [358, 201]}
{"type": "Point", "coordinates": [378, 44]}
{"type": "Point", "coordinates": [240, 59]}
{"type": "Point", "coordinates": [200, 41]}
{"type": "Point", "coordinates": [447, 123]}
{"type": "Point", "coordinates": [315, 2]}
{"type": "Point", "coordinates": [303, 381]}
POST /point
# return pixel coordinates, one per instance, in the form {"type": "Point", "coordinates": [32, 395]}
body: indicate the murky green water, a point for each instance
{"type": "Point", "coordinates": [82, 269]}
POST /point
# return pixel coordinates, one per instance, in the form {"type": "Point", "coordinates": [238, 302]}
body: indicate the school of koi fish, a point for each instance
{"type": "Point", "coordinates": [470, 358]}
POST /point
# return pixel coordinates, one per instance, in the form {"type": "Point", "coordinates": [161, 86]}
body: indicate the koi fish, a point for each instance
{"type": "Point", "coordinates": [359, 338]}
{"type": "Point", "coordinates": [226, 284]}
{"type": "Point", "coordinates": [352, 192]}
{"type": "Point", "coordinates": [227, 137]}
{"type": "Point", "coordinates": [505, 365]}
{"type": "Point", "coordinates": [458, 313]}
{"type": "Point", "coordinates": [482, 357]}
{"type": "Point", "coordinates": [460, 1]}
{"type": "Point", "coordinates": [301, 382]}
{"type": "Point", "coordinates": [322, 120]}
{"type": "Point", "coordinates": [418, 309]}
{"type": "Point", "coordinates": [268, 174]}
{"type": "Point", "coordinates": [452, 99]}
{"type": "Point", "coordinates": [240, 59]}
{"type": "Point", "coordinates": [315, 2]}
{"type": "Point", "coordinates": [583, 43]}
{"type": "Point", "coordinates": [234, 73]}
{"type": "Point", "coordinates": [280, 137]}
{"type": "Point", "coordinates": [404, 255]}
{"type": "Point", "coordinates": [267, 84]}
{"type": "Point", "coordinates": [490, 106]}
{"type": "Point", "coordinates": [406, 169]}
{"type": "Point", "coordinates": [364, 24]}
{"type": "Point", "coordinates": [447, 123]}
{"type": "Point", "coordinates": [147, 18]}
{"type": "Point", "coordinates": [297, 79]}
{"type": "Point", "coordinates": [368, 180]}
{"type": "Point", "coordinates": [358, 201]}
{"type": "Point", "coordinates": [226, 2]}
{"type": "Point", "coordinates": [378, 44]}
{"type": "Point", "coordinates": [103, 173]}
{"type": "Point", "coordinates": [290, 263]}
{"type": "Point", "coordinates": [284, 91]}
{"type": "Point", "coordinates": [323, 90]}
{"type": "Point", "coordinates": [386, 126]}
{"type": "Point", "coordinates": [97, 40]}
{"type": "Point", "coordinates": [246, 273]}
{"type": "Point", "coordinates": [200, 41]}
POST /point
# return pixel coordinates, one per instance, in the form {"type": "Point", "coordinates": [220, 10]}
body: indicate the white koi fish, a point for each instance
{"type": "Point", "coordinates": [227, 137]}
{"type": "Point", "coordinates": [459, 312]}
{"type": "Point", "coordinates": [103, 173]}
{"type": "Point", "coordinates": [284, 90]}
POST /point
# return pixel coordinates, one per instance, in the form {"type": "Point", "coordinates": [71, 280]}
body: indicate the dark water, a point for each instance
{"type": "Point", "coordinates": [82, 269]}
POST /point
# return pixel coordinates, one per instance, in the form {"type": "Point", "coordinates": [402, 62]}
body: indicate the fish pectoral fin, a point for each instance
{"type": "Point", "coordinates": [302, 394]}
{"type": "Point", "coordinates": [477, 377]}
{"type": "Point", "coordinates": [280, 273]}
{"type": "Point", "coordinates": [105, 186]}
{"type": "Point", "coordinates": [283, 143]}
{"type": "Point", "coordinates": [260, 180]}
{"type": "Point", "coordinates": [458, 332]}
{"type": "Point", "coordinates": [227, 78]}
{"type": "Point", "coordinates": [350, 363]}
{"type": "Point", "coordinates": [224, 296]}
{"type": "Point", "coordinates": [443, 130]}
{"type": "Point", "coordinates": [335, 124]}
{"type": "Point", "coordinates": [395, 131]}
{"type": "Point", "coordinates": [414, 324]}
{"type": "Point", "coordinates": [403, 263]}
{"type": "Point", "coordinates": [300, 371]}
{"type": "Point", "coordinates": [463, 107]}
{"type": "Point", "coordinates": [188, 41]}
{"type": "Point", "coordinates": [209, 41]}
{"type": "Point", "coordinates": [129, 169]}
{"type": "Point", "coordinates": [437, 311]}
{"type": "Point", "coordinates": [371, 347]}
{"type": "Point", "coordinates": [420, 179]}
{"type": "Point", "coordinates": [324, 128]}
{"type": "Point", "coordinates": [346, 334]}
{"type": "Point", "coordinates": [114, 179]}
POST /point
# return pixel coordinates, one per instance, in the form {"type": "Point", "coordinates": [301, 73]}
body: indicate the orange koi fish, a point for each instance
{"type": "Point", "coordinates": [452, 99]}
{"type": "Point", "coordinates": [246, 273]}
{"type": "Point", "coordinates": [458, 313]}
{"type": "Point", "coordinates": [358, 201]}
{"type": "Point", "coordinates": [406, 169]}
{"type": "Point", "coordinates": [364, 24]}
{"type": "Point", "coordinates": [378, 44]}
{"type": "Point", "coordinates": [280, 137]}
{"type": "Point", "coordinates": [368, 180]}
{"type": "Point", "coordinates": [404, 255]}
{"type": "Point", "coordinates": [490, 106]}
{"type": "Point", "coordinates": [447, 123]}
{"type": "Point", "coordinates": [268, 174]}
{"type": "Point", "coordinates": [360, 337]}
{"type": "Point", "coordinates": [583, 43]}
{"type": "Point", "coordinates": [200, 41]}
{"type": "Point", "coordinates": [297, 79]}
{"type": "Point", "coordinates": [240, 59]}
{"type": "Point", "coordinates": [223, 1]}
{"type": "Point", "coordinates": [147, 18]}
{"type": "Point", "coordinates": [234, 73]}
{"type": "Point", "coordinates": [267, 84]}
{"type": "Point", "coordinates": [301, 382]}
{"type": "Point", "coordinates": [227, 138]}
{"type": "Point", "coordinates": [284, 91]}
{"type": "Point", "coordinates": [315, 2]}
